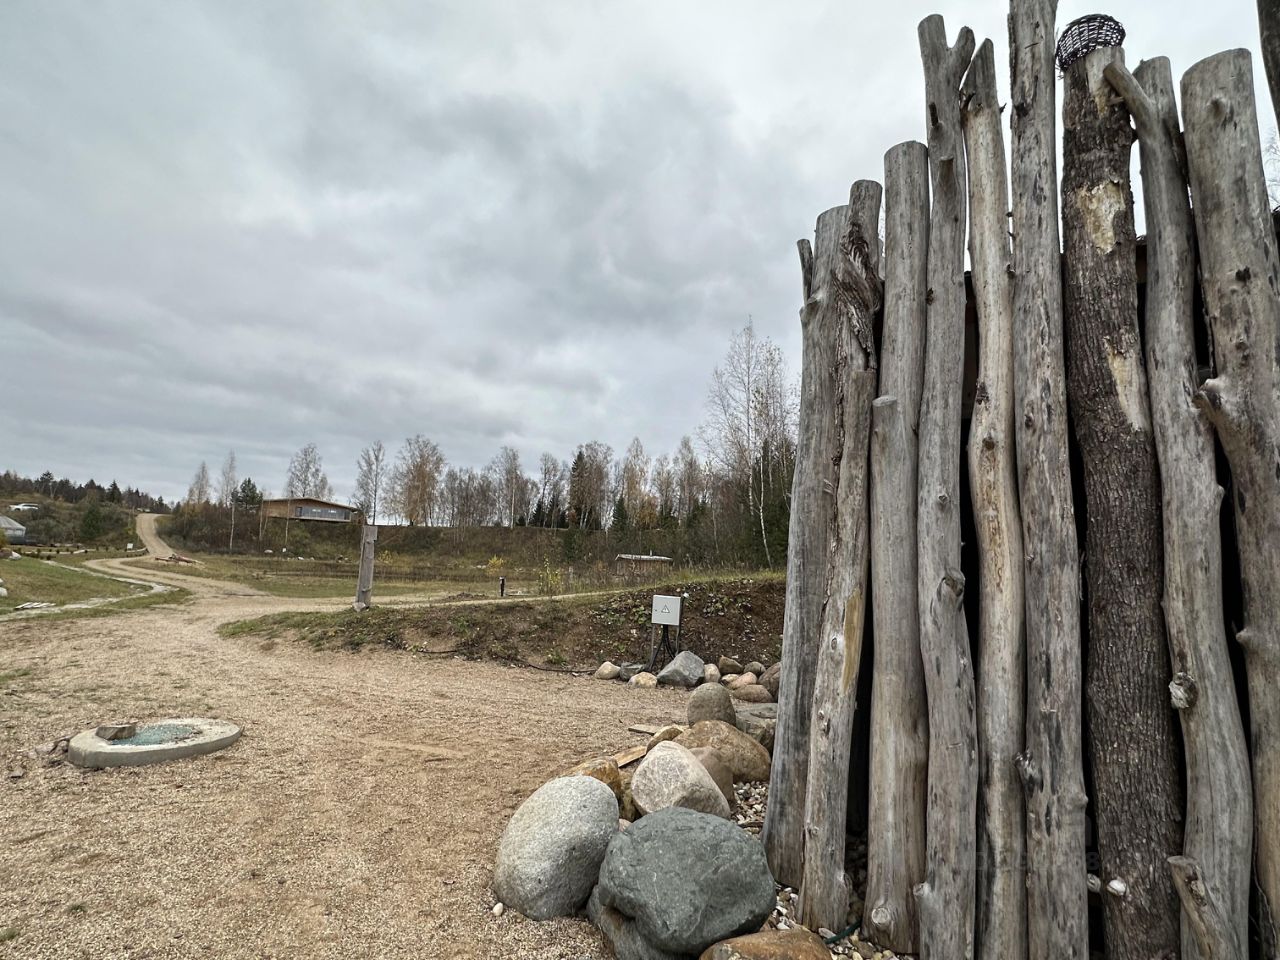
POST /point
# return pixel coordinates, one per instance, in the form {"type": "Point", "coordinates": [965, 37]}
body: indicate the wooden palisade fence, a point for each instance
{"type": "Point", "coordinates": [1107, 662]}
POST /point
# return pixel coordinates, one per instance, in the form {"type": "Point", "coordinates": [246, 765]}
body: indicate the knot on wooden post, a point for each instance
{"type": "Point", "coordinates": [1183, 691]}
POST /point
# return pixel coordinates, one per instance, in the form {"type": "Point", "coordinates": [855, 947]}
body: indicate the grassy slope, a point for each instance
{"type": "Point", "coordinates": [740, 617]}
{"type": "Point", "coordinates": [33, 580]}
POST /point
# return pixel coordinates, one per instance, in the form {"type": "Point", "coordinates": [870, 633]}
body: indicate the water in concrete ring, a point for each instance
{"type": "Point", "coordinates": [169, 739]}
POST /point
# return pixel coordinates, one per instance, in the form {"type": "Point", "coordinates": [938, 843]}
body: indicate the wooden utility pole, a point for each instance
{"type": "Point", "coordinates": [899, 716]}
{"type": "Point", "coordinates": [824, 890]}
{"type": "Point", "coordinates": [993, 483]}
{"type": "Point", "coordinates": [1051, 766]}
{"type": "Point", "coordinates": [364, 585]}
{"type": "Point", "coordinates": [1137, 791]}
{"type": "Point", "coordinates": [1219, 815]}
{"type": "Point", "coordinates": [812, 524]}
{"type": "Point", "coordinates": [945, 899]}
{"type": "Point", "coordinates": [1240, 275]}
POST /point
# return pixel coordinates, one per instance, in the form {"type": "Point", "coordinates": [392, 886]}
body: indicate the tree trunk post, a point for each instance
{"type": "Point", "coordinates": [824, 890]}
{"type": "Point", "coordinates": [1269, 35]}
{"type": "Point", "coordinates": [364, 581]}
{"type": "Point", "coordinates": [1137, 799]}
{"type": "Point", "coordinates": [1001, 875]}
{"type": "Point", "coordinates": [945, 899]}
{"type": "Point", "coordinates": [1219, 815]}
{"type": "Point", "coordinates": [811, 528]}
{"type": "Point", "coordinates": [899, 716]}
{"type": "Point", "coordinates": [1051, 766]}
{"type": "Point", "coordinates": [1240, 275]}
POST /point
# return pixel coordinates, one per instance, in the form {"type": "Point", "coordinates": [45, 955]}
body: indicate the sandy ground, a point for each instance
{"type": "Point", "coordinates": [357, 817]}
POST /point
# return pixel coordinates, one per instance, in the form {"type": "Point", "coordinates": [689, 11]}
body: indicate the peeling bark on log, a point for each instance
{"type": "Point", "coordinates": [1051, 765]}
{"type": "Point", "coordinates": [945, 899]}
{"type": "Point", "coordinates": [1137, 799]}
{"type": "Point", "coordinates": [1210, 929]}
{"type": "Point", "coordinates": [1001, 877]}
{"type": "Point", "coordinates": [824, 890]}
{"type": "Point", "coordinates": [1240, 275]}
{"type": "Point", "coordinates": [1219, 818]}
{"type": "Point", "coordinates": [899, 717]}
{"type": "Point", "coordinates": [811, 527]}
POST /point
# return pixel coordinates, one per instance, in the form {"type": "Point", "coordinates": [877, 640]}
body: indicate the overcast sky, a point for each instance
{"type": "Point", "coordinates": [252, 225]}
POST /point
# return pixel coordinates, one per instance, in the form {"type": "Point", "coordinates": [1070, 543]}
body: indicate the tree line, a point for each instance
{"type": "Point", "coordinates": [730, 481]}
{"type": "Point", "coordinates": [55, 488]}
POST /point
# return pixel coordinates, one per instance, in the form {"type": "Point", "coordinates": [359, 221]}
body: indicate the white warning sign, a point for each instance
{"type": "Point", "coordinates": [666, 610]}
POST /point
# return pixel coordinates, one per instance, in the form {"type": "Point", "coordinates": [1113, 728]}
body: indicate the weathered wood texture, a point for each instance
{"type": "Point", "coordinates": [1219, 807]}
{"type": "Point", "coordinates": [1269, 34]}
{"type": "Point", "coordinates": [899, 717]}
{"type": "Point", "coordinates": [811, 527]}
{"type": "Point", "coordinates": [993, 483]}
{"type": "Point", "coordinates": [1240, 275]}
{"type": "Point", "coordinates": [945, 899]}
{"type": "Point", "coordinates": [1208, 924]}
{"type": "Point", "coordinates": [824, 889]}
{"type": "Point", "coordinates": [1051, 766]}
{"type": "Point", "coordinates": [364, 580]}
{"type": "Point", "coordinates": [1137, 798]}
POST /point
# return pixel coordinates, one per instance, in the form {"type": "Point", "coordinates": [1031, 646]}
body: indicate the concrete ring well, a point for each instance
{"type": "Point", "coordinates": [87, 749]}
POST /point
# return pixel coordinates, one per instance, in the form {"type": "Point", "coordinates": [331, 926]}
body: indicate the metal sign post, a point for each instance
{"type": "Point", "coordinates": [666, 614]}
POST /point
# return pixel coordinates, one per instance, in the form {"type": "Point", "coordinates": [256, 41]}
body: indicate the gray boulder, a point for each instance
{"type": "Point", "coordinates": [711, 702]}
{"type": "Point", "coordinates": [759, 721]}
{"type": "Point", "coordinates": [686, 880]}
{"type": "Point", "coordinates": [550, 853]}
{"type": "Point", "coordinates": [628, 670]}
{"type": "Point", "coordinates": [671, 776]}
{"type": "Point", "coordinates": [623, 936]}
{"type": "Point", "coordinates": [751, 693]}
{"type": "Point", "coordinates": [755, 666]}
{"type": "Point", "coordinates": [710, 673]}
{"type": "Point", "coordinates": [684, 670]}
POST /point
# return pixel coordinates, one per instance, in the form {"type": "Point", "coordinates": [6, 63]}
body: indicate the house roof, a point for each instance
{"type": "Point", "coordinates": [323, 503]}
{"type": "Point", "coordinates": [8, 523]}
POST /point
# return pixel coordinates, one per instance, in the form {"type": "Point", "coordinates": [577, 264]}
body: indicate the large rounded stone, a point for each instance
{"type": "Point", "coordinates": [793, 944]}
{"type": "Point", "coordinates": [686, 880]}
{"type": "Point", "coordinates": [710, 702]}
{"type": "Point", "coordinates": [550, 853]}
{"type": "Point", "coordinates": [604, 769]}
{"type": "Point", "coordinates": [606, 671]}
{"type": "Point", "coordinates": [710, 673]}
{"type": "Point", "coordinates": [684, 670]}
{"type": "Point", "coordinates": [752, 693]}
{"type": "Point", "coordinates": [741, 754]}
{"type": "Point", "coordinates": [729, 665]}
{"type": "Point", "coordinates": [644, 680]}
{"type": "Point", "coordinates": [741, 680]}
{"type": "Point", "coordinates": [719, 772]}
{"type": "Point", "coordinates": [770, 679]}
{"type": "Point", "coordinates": [671, 776]}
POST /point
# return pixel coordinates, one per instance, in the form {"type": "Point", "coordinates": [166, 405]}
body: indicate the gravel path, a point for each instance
{"type": "Point", "coordinates": [356, 817]}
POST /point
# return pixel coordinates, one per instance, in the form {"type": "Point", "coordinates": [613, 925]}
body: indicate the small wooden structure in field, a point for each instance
{"type": "Point", "coordinates": [636, 566]}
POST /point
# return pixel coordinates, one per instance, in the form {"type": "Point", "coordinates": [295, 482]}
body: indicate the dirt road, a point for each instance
{"type": "Point", "coordinates": [356, 817]}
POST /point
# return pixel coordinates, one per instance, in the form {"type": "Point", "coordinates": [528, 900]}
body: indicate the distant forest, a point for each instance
{"type": "Point", "coordinates": [46, 485]}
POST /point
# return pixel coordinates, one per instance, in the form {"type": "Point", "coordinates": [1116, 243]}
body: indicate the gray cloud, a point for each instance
{"type": "Point", "coordinates": [253, 225]}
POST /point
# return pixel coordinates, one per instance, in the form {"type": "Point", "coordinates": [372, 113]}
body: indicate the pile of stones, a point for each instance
{"type": "Point", "coordinates": [752, 683]}
{"type": "Point", "coordinates": [663, 858]}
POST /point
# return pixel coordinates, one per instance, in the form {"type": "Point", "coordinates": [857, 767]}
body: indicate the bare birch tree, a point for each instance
{"type": "Point", "coordinates": [227, 480]}
{"type": "Point", "coordinates": [415, 481]}
{"type": "Point", "coordinates": [370, 479]}
{"type": "Point", "coordinates": [306, 475]}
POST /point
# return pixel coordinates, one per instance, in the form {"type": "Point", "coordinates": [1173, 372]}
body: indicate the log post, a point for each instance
{"type": "Point", "coordinates": [1269, 34]}
{"type": "Point", "coordinates": [1051, 766]}
{"type": "Point", "coordinates": [1219, 816]}
{"type": "Point", "coordinates": [1210, 929]}
{"type": "Point", "coordinates": [899, 718]}
{"type": "Point", "coordinates": [993, 482]}
{"type": "Point", "coordinates": [1137, 800]}
{"type": "Point", "coordinates": [1240, 276]}
{"type": "Point", "coordinates": [824, 890]}
{"type": "Point", "coordinates": [945, 899]}
{"type": "Point", "coordinates": [364, 579]}
{"type": "Point", "coordinates": [811, 527]}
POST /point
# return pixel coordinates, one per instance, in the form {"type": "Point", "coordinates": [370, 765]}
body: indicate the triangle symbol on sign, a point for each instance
{"type": "Point", "coordinates": [665, 610]}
